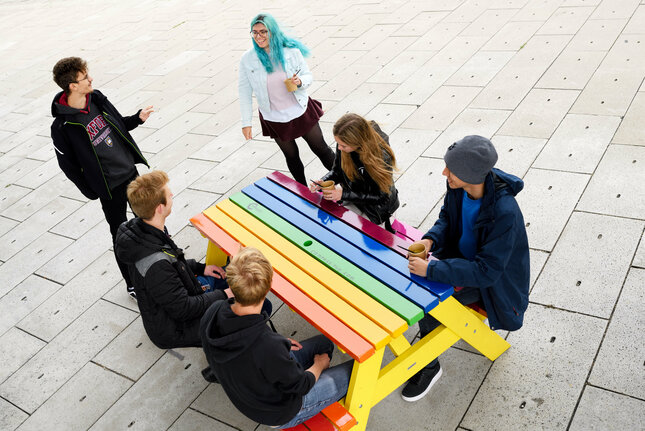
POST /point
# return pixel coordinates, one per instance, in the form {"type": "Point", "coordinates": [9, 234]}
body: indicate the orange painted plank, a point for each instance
{"type": "Point", "coordinates": [348, 340]}
{"type": "Point", "coordinates": [339, 416]}
{"type": "Point", "coordinates": [319, 423]}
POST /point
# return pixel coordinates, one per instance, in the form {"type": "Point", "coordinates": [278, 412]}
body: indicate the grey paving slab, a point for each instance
{"type": "Point", "coordinates": [422, 178]}
{"type": "Point", "coordinates": [21, 300]}
{"type": "Point", "coordinates": [65, 303]}
{"type": "Point", "coordinates": [516, 79]}
{"type": "Point", "coordinates": [29, 259]}
{"type": "Point", "coordinates": [408, 145]}
{"type": "Point", "coordinates": [566, 20]}
{"type": "Point", "coordinates": [639, 258]}
{"type": "Point", "coordinates": [360, 101]}
{"type": "Point", "coordinates": [619, 366]}
{"type": "Point", "coordinates": [80, 402]}
{"type": "Point", "coordinates": [336, 63]}
{"type": "Point", "coordinates": [36, 147]}
{"type": "Point", "coordinates": [57, 362]}
{"type": "Point", "coordinates": [597, 34]}
{"type": "Point", "coordinates": [174, 130]}
{"type": "Point", "coordinates": [578, 144]}
{"type": "Point", "coordinates": [192, 420]}
{"type": "Point", "coordinates": [516, 153]}
{"type": "Point", "coordinates": [619, 195]}
{"type": "Point", "coordinates": [609, 92]}
{"type": "Point", "coordinates": [629, 132]}
{"type": "Point", "coordinates": [220, 147]}
{"type": "Point", "coordinates": [214, 402]}
{"type": "Point", "coordinates": [175, 380]}
{"type": "Point", "coordinates": [193, 243]}
{"type": "Point", "coordinates": [462, 374]}
{"type": "Point", "coordinates": [82, 220]}
{"type": "Point", "coordinates": [390, 116]}
{"type": "Point", "coordinates": [615, 9]}
{"type": "Point", "coordinates": [11, 194]}
{"type": "Point", "coordinates": [118, 295]}
{"type": "Point", "coordinates": [538, 115]}
{"type": "Point", "coordinates": [131, 353]}
{"type": "Point", "coordinates": [187, 172]}
{"type": "Point", "coordinates": [16, 348]}
{"type": "Point", "coordinates": [219, 122]}
{"type": "Point", "coordinates": [536, 383]}
{"type": "Point", "coordinates": [484, 122]}
{"type": "Point", "coordinates": [438, 37]}
{"type": "Point", "coordinates": [18, 170]}
{"type": "Point", "coordinates": [35, 199]}
{"type": "Point", "coordinates": [30, 229]}
{"type": "Point", "coordinates": [636, 24]}
{"type": "Point", "coordinates": [604, 410]}
{"type": "Point", "coordinates": [6, 225]}
{"type": "Point", "coordinates": [440, 109]}
{"type": "Point", "coordinates": [186, 204]}
{"type": "Point", "coordinates": [512, 36]}
{"type": "Point", "coordinates": [78, 255]}
{"type": "Point", "coordinates": [578, 277]}
{"type": "Point", "coordinates": [10, 416]}
{"type": "Point", "coordinates": [344, 83]}
{"type": "Point", "coordinates": [43, 173]}
{"type": "Point", "coordinates": [547, 201]}
{"type": "Point", "coordinates": [481, 68]}
{"type": "Point", "coordinates": [538, 259]}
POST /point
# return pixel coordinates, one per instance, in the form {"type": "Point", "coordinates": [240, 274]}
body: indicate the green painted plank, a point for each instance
{"type": "Point", "coordinates": [408, 311]}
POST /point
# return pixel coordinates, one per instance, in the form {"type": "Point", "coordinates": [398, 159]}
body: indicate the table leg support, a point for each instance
{"type": "Point", "coordinates": [466, 325]}
{"type": "Point", "coordinates": [360, 395]}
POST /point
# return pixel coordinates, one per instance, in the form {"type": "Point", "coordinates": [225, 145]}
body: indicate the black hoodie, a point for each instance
{"type": "Point", "coordinates": [253, 365]}
{"type": "Point", "coordinates": [76, 155]}
{"type": "Point", "coordinates": [169, 296]}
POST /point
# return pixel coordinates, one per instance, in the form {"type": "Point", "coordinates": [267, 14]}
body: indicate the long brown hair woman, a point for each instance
{"type": "Point", "coordinates": [363, 169]}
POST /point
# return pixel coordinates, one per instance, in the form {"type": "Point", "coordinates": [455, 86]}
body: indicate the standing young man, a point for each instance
{"type": "Point", "coordinates": [481, 243]}
{"type": "Point", "coordinates": [93, 145]}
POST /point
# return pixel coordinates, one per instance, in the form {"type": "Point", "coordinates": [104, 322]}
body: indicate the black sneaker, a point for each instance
{"type": "Point", "coordinates": [132, 293]}
{"type": "Point", "coordinates": [419, 384]}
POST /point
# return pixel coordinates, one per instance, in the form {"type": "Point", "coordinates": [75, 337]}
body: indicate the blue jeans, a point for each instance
{"type": "Point", "coordinates": [210, 283]}
{"type": "Point", "coordinates": [466, 295]}
{"type": "Point", "coordinates": [330, 387]}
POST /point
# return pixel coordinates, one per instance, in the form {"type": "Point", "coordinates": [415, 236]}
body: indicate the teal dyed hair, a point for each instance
{"type": "Point", "coordinates": [277, 42]}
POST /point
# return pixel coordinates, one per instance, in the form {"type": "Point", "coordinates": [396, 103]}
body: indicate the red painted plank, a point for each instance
{"type": "Point", "coordinates": [351, 218]}
{"type": "Point", "coordinates": [299, 427]}
{"type": "Point", "coordinates": [334, 329]}
{"type": "Point", "coordinates": [319, 423]}
{"type": "Point", "coordinates": [339, 416]}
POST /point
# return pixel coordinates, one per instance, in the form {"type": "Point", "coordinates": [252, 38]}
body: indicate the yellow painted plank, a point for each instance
{"type": "Point", "coordinates": [371, 308]}
{"type": "Point", "coordinates": [413, 360]}
{"type": "Point", "coordinates": [367, 329]}
{"type": "Point", "coordinates": [215, 255]}
{"type": "Point", "coordinates": [361, 391]}
{"type": "Point", "coordinates": [466, 325]}
{"type": "Point", "coordinates": [399, 345]}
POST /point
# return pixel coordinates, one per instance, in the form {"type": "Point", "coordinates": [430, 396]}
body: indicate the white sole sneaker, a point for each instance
{"type": "Point", "coordinates": [424, 393]}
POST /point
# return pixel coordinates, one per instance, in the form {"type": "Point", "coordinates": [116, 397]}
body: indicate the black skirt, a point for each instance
{"type": "Point", "coordinates": [296, 127]}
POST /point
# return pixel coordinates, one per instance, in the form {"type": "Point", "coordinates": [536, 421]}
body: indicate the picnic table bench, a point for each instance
{"type": "Point", "coordinates": [349, 279]}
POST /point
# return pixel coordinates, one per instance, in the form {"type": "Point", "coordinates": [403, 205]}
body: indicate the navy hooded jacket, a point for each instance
{"type": "Point", "coordinates": [501, 266]}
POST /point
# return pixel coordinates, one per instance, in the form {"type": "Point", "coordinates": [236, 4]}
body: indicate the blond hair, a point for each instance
{"type": "Point", "coordinates": [146, 193]}
{"type": "Point", "coordinates": [249, 276]}
{"type": "Point", "coordinates": [362, 137]}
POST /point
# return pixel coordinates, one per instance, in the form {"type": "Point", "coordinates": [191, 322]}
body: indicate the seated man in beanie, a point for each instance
{"type": "Point", "coordinates": [480, 241]}
{"type": "Point", "coordinates": [170, 297]}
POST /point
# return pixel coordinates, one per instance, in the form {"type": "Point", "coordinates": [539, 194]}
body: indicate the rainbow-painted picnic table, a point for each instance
{"type": "Point", "coordinates": [347, 277]}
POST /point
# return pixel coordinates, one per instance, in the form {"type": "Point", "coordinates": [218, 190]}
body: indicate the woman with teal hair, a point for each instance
{"type": "Point", "coordinates": [274, 69]}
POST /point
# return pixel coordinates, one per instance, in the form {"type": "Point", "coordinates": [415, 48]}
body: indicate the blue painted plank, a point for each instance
{"type": "Point", "coordinates": [404, 286]}
{"type": "Point", "coordinates": [343, 230]}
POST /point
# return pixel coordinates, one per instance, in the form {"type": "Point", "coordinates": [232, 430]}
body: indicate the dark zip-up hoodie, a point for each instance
{"type": "Point", "coordinates": [74, 151]}
{"type": "Point", "coordinates": [501, 267]}
{"type": "Point", "coordinates": [169, 296]}
{"type": "Point", "coordinates": [253, 365]}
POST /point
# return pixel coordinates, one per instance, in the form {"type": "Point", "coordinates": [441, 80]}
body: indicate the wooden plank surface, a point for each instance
{"type": "Point", "coordinates": [336, 272]}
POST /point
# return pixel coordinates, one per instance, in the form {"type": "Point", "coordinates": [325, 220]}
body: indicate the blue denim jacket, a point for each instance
{"type": "Point", "coordinates": [253, 80]}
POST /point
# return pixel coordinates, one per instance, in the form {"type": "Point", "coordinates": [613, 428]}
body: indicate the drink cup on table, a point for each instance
{"type": "Point", "coordinates": [418, 249]}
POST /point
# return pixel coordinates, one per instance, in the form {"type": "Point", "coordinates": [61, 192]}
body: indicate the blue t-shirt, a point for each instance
{"type": "Point", "coordinates": [469, 212]}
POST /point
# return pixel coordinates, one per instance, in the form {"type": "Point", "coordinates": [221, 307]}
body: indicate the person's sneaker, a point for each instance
{"type": "Point", "coordinates": [131, 293]}
{"type": "Point", "coordinates": [419, 384]}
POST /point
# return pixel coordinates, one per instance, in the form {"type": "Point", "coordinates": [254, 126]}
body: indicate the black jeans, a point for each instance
{"type": "Point", "coordinates": [466, 295]}
{"type": "Point", "coordinates": [115, 214]}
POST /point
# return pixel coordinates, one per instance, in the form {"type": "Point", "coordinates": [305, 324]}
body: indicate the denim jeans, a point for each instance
{"type": "Point", "coordinates": [330, 387]}
{"type": "Point", "coordinates": [211, 283]}
{"type": "Point", "coordinates": [467, 295]}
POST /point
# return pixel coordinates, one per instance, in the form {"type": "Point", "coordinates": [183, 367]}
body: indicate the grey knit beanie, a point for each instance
{"type": "Point", "coordinates": [471, 158]}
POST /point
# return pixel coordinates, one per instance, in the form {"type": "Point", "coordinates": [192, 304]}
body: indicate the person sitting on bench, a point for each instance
{"type": "Point", "coordinates": [481, 243]}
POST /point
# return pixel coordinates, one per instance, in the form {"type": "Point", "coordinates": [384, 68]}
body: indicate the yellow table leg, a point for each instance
{"type": "Point", "coordinates": [215, 255]}
{"type": "Point", "coordinates": [399, 345]}
{"type": "Point", "coordinates": [412, 360]}
{"type": "Point", "coordinates": [360, 395]}
{"type": "Point", "coordinates": [466, 325]}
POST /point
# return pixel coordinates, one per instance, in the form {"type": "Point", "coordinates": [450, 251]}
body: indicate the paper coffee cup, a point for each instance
{"type": "Point", "coordinates": [327, 185]}
{"type": "Point", "coordinates": [417, 249]}
{"type": "Point", "coordinates": [291, 87]}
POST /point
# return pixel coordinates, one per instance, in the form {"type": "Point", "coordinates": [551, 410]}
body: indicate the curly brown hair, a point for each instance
{"type": "Point", "coordinates": [66, 71]}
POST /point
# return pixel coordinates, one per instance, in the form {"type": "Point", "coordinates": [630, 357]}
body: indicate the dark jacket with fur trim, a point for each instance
{"type": "Point", "coordinates": [76, 156]}
{"type": "Point", "coordinates": [169, 296]}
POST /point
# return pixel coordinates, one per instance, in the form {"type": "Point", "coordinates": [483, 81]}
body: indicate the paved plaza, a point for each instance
{"type": "Point", "coordinates": [556, 84]}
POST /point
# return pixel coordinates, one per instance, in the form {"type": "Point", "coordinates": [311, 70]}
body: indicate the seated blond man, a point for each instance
{"type": "Point", "coordinates": [271, 379]}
